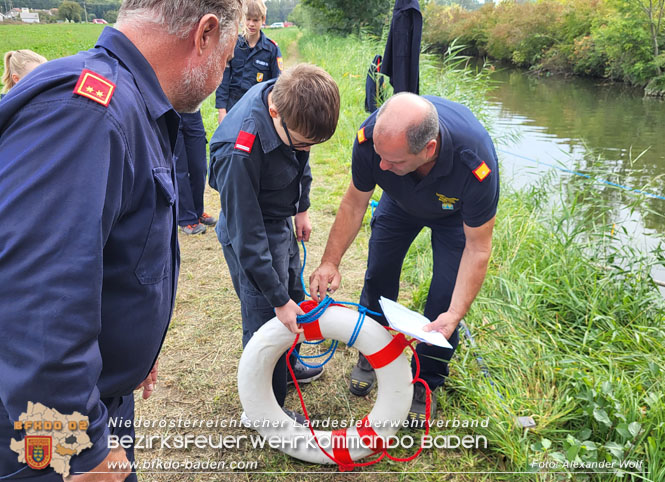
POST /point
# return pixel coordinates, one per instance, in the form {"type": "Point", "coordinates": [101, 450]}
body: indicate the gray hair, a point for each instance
{"type": "Point", "coordinates": [178, 17]}
{"type": "Point", "coordinates": [418, 134]}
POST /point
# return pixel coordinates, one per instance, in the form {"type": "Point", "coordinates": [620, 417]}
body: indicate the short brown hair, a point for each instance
{"type": "Point", "coordinates": [307, 99]}
{"type": "Point", "coordinates": [255, 9]}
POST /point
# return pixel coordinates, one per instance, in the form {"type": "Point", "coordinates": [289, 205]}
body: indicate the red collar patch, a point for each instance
{"type": "Point", "coordinates": [95, 87]}
{"type": "Point", "coordinates": [245, 141]}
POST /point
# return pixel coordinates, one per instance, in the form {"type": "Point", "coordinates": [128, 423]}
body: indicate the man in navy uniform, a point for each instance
{"type": "Point", "coordinates": [89, 250]}
{"type": "Point", "coordinates": [256, 59]}
{"type": "Point", "coordinates": [438, 168]}
{"type": "Point", "coordinates": [259, 164]}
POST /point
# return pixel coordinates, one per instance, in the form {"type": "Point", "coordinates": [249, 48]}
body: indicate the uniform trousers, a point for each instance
{"type": "Point", "coordinates": [393, 231]}
{"type": "Point", "coordinates": [191, 168]}
{"type": "Point", "coordinates": [255, 308]}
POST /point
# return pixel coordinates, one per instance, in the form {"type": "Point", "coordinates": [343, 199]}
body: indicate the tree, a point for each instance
{"type": "Point", "coordinates": [349, 16]}
{"type": "Point", "coordinates": [653, 10]}
{"type": "Point", "coordinates": [111, 16]}
{"type": "Point", "coordinates": [71, 11]}
{"type": "Point", "coordinates": [279, 10]}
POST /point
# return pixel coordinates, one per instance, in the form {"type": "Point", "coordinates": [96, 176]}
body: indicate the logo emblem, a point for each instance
{"type": "Point", "coordinates": [447, 203]}
{"type": "Point", "coordinates": [482, 171]}
{"type": "Point", "coordinates": [361, 136]}
{"type": "Point", "coordinates": [280, 63]}
{"type": "Point", "coordinates": [259, 76]}
{"type": "Point", "coordinates": [38, 451]}
{"type": "Point", "coordinates": [95, 87]}
{"type": "Point", "coordinates": [245, 141]}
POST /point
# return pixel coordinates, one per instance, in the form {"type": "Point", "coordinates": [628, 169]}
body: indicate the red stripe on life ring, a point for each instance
{"type": "Point", "coordinates": [368, 436]}
{"type": "Point", "coordinates": [340, 448]}
{"type": "Point", "coordinates": [312, 331]}
{"type": "Point", "coordinates": [389, 352]}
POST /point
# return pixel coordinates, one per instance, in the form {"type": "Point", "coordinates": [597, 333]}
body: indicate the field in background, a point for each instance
{"type": "Point", "coordinates": [568, 323]}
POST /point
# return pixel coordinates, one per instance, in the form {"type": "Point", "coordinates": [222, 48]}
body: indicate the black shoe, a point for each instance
{"type": "Point", "coordinates": [303, 373]}
{"type": "Point", "coordinates": [417, 412]}
{"type": "Point", "coordinates": [362, 377]}
{"type": "Point", "coordinates": [297, 417]}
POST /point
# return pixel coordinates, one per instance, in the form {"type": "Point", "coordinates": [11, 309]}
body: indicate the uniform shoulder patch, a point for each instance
{"type": "Point", "coordinates": [95, 87]}
{"type": "Point", "coordinates": [361, 136]}
{"type": "Point", "coordinates": [482, 171]}
{"type": "Point", "coordinates": [280, 63]}
{"type": "Point", "coordinates": [245, 141]}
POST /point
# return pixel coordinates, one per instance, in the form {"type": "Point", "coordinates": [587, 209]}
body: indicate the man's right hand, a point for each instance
{"type": "Point", "coordinates": [325, 279]}
{"type": "Point", "coordinates": [221, 113]}
{"type": "Point", "coordinates": [115, 465]}
{"type": "Point", "coordinates": [287, 314]}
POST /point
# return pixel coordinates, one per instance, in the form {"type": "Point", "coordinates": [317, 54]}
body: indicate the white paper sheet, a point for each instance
{"type": "Point", "coordinates": [410, 323]}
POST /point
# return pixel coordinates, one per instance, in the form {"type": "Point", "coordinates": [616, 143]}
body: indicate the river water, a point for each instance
{"type": "Point", "coordinates": [608, 131]}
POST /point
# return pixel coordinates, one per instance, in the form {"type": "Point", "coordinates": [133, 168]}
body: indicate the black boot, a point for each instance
{"type": "Point", "coordinates": [362, 377]}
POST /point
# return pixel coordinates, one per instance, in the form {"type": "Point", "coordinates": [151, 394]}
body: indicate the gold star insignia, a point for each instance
{"type": "Point", "coordinates": [99, 93]}
{"type": "Point", "coordinates": [89, 89]}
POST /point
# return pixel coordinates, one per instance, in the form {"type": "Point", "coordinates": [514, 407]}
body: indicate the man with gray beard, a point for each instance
{"type": "Point", "coordinates": [89, 252]}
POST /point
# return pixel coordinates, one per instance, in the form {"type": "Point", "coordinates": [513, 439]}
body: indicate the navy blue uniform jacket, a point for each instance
{"type": "Point", "coordinates": [260, 180]}
{"type": "Point", "coordinates": [88, 247]}
{"type": "Point", "coordinates": [401, 59]}
{"type": "Point", "coordinates": [463, 185]}
{"type": "Point", "coordinates": [250, 66]}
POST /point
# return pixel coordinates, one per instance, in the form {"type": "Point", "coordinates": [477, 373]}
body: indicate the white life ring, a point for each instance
{"type": "Point", "coordinates": [393, 398]}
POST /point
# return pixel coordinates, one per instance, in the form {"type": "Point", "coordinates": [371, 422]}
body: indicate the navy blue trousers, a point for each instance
{"type": "Point", "coordinates": [255, 308]}
{"type": "Point", "coordinates": [191, 168]}
{"type": "Point", "coordinates": [393, 231]}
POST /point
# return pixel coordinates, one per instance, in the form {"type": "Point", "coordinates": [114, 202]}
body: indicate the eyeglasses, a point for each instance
{"type": "Point", "coordinates": [301, 145]}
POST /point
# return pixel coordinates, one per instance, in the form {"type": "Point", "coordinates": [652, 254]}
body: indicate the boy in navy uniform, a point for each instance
{"type": "Point", "coordinates": [90, 263]}
{"type": "Point", "coordinates": [438, 168]}
{"type": "Point", "coordinates": [259, 164]}
{"type": "Point", "coordinates": [256, 59]}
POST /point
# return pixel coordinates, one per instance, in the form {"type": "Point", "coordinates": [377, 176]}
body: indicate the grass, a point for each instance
{"type": "Point", "coordinates": [568, 322]}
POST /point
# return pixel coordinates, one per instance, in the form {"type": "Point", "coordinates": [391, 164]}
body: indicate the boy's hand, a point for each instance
{"type": "Point", "coordinates": [287, 314]}
{"type": "Point", "coordinates": [303, 226]}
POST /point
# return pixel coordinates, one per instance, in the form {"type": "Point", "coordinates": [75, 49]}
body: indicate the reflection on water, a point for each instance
{"type": "Point", "coordinates": [609, 131]}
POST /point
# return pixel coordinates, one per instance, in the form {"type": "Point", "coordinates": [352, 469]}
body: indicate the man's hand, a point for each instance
{"type": "Point", "coordinates": [287, 314]}
{"type": "Point", "coordinates": [149, 383]}
{"type": "Point", "coordinates": [115, 463]}
{"type": "Point", "coordinates": [221, 113]}
{"type": "Point", "coordinates": [445, 323]}
{"type": "Point", "coordinates": [325, 279]}
{"type": "Point", "coordinates": [303, 226]}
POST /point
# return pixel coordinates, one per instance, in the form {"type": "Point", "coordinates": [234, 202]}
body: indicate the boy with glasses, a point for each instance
{"type": "Point", "coordinates": [259, 164]}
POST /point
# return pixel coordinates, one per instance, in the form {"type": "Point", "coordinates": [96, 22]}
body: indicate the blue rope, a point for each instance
{"type": "Point", "coordinates": [373, 204]}
{"type": "Point", "coordinates": [316, 313]}
{"type": "Point", "coordinates": [581, 174]}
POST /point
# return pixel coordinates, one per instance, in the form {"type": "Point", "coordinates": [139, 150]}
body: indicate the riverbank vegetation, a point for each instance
{"type": "Point", "coordinates": [569, 325]}
{"type": "Point", "coordinates": [614, 39]}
